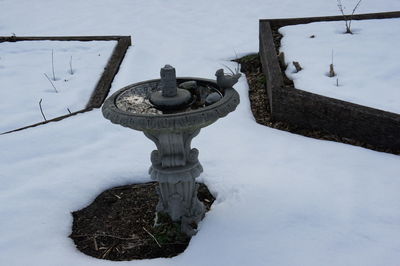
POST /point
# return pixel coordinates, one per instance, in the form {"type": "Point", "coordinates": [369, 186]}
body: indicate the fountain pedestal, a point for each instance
{"type": "Point", "coordinates": [175, 166]}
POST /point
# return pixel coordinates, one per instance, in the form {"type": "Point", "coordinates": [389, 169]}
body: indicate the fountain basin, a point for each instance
{"type": "Point", "coordinates": [153, 119]}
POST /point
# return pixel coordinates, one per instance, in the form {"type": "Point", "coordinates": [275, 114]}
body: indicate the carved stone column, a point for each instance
{"type": "Point", "coordinates": [175, 166]}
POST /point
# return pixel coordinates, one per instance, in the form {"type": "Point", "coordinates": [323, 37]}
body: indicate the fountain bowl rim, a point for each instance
{"type": "Point", "coordinates": [225, 105]}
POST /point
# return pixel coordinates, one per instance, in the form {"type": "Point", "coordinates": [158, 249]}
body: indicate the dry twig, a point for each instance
{"type": "Point", "coordinates": [70, 66]}
{"type": "Point", "coordinates": [108, 251]}
{"type": "Point", "coordinates": [51, 82]}
{"type": "Point", "coordinates": [106, 235]}
{"type": "Point", "coordinates": [52, 64]}
{"type": "Point", "coordinates": [152, 236]}
{"type": "Point", "coordinates": [118, 197]}
{"type": "Point", "coordinates": [96, 247]}
{"type": "Point", "coordinates": [41, 110]}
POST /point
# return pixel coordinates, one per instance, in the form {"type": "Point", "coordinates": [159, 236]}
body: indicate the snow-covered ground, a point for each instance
{"type": "Point", "coordinates": [282, 199]}
{"type": "Point", "coordinates": [25, 68]}
{"type": "Point", "coordinates": [366, 63]}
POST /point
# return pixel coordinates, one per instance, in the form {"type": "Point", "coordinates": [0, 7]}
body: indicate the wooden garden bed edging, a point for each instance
{"type": "Point", "coordinates": [103, 86]}
{"type": "Point", "coordinates": [311, 111]}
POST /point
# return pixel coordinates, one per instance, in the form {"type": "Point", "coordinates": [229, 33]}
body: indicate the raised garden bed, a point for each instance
{"type": "Point", "coordinates": [62, 79]}
{"type": "Point", "coordinates": [308, 111]}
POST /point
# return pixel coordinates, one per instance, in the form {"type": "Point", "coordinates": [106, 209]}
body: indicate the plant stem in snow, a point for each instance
{"type": "Point", "coordinates": [347, 19]}
{"type": "Point", "coordinates": [69, 111]}
{"type": "Point", "coordinates": [51, 82]}
{"type": "Point", "coordinates": [41, 110]}
{"type": "Point", "coordinates": [52, 64]}
{"type": "Point", "coordinates": [331, 73]}
{"type": "Point", "coordinates": [70, 66]}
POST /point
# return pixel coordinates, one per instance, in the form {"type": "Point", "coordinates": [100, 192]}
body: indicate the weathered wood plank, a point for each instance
{"type": "Point", "coordinates": [269, 61]}
{"type": "Point", "coordinates": [104, 84]}
{"type": "Point", "coordinates": [293, 21]}
{"type": "Point", "coordinates": [49, 121]}
{"type": "Point", "coordinates": [58, 38]}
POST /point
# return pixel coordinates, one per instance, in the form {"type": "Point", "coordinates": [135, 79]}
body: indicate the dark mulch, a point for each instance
{"type": "Point", "coordinates": [251, 66]}
{"type": "Point", "coordinates": [119, 225]}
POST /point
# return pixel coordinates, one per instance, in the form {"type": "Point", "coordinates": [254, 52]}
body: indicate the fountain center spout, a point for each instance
{"type": "Point", "coordinates": [169, 97]}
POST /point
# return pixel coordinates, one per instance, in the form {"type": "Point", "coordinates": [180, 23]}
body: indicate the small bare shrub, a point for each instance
{"type": "Point", "coordinates": [347, 18]}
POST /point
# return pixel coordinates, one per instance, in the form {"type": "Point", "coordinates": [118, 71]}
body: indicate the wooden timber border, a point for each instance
{"type": "Point", "coordinates": [103, 85]}
{"type": "Point", "coordinates": [311, 111]}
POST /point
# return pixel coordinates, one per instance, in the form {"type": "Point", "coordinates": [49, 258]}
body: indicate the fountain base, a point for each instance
{"type": "Point", "coordinates": [175, 166]}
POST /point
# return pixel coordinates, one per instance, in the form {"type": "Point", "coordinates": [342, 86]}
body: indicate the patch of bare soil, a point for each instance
{"type": "Point", "coordinates": [119, 225]}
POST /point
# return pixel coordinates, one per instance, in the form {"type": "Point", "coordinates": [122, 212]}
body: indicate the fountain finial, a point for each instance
{"type": "Point", "coordinates": [169, 97]}
{"type": "Point", "coordinates": [168, 81]}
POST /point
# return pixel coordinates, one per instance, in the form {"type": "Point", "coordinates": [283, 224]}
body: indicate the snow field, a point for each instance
{"type": "Point", "coordinates": [282, 199]}
{"type": "Point", "coordinates": [366, 62]}
{"type": "Point", "coordinates": [24, 66]}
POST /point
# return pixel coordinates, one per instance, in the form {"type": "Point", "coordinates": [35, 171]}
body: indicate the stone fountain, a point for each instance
{"type": "Point", "coordinates": [171, 111]}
